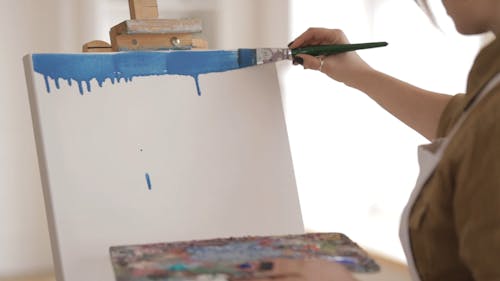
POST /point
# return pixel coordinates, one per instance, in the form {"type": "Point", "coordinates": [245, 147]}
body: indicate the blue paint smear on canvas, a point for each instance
{"type": "Point", "coordinates": [148, 181]}
{"type": "Point", "coordinates": [83, 68]}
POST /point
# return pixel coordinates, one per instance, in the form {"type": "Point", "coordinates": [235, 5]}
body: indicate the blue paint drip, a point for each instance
{"type": "Point", "coordinates": [148, 181]}
{"type": "Point", "coordinates": [82, 68]}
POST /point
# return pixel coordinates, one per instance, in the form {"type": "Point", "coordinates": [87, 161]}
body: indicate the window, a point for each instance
{"type": "Point", "coordinates": [356, 164]}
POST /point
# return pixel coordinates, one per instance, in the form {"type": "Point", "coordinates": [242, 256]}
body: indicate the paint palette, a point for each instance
{"type": "Point", "coordinates": [222, 259]}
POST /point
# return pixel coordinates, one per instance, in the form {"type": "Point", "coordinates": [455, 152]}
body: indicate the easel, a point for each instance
{"type": "Point", "coordinates": [145, 31]}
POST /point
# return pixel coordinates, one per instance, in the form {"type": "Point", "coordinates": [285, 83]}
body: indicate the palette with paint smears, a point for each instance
{"type": "Point", "coordinates": [223, 259]}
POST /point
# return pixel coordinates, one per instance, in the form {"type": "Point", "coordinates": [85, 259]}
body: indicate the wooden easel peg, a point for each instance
{"type": "Point", "coordinates": [96, 46]}
{"type": "Point", "coordinates": [143, 9]}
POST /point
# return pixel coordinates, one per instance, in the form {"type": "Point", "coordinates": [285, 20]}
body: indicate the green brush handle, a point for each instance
{"type": "Point", "coordinates": [326, 50]}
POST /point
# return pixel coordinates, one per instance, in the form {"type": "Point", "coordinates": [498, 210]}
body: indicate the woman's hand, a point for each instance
{"type": "Point", "coordinates": [303, 270]}
{"type": "Point", "coordinates": [343, 67]}
{"type": "Point", "coordinates": [418, 108]}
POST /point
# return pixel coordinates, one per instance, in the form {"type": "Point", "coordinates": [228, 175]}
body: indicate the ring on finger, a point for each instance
{"type": "Point", "coordinates": [321, 62]}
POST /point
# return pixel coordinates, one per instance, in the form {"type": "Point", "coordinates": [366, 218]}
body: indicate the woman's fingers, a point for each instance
{"type": "Point", "coordinates": [303, 270]}
{"type": "Point", "coordinates": [278, 269]}
{"type": "Point", "coordinates": [316, 36]}
{"type": "Point", "coordinates": [310, 62]}
{"type": "Point", "coordinates": [319, 36]}
{"type": "Point", "coordinates": [344, 67]}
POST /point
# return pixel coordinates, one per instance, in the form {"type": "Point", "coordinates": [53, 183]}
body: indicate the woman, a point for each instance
{"type": "Point", "coordinates": [450, 229]}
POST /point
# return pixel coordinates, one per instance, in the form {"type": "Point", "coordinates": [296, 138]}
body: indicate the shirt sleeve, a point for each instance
{"type": "Point", "coordinates": [450, 115]}
{"type": "Point", "coordinates": [477, 194]}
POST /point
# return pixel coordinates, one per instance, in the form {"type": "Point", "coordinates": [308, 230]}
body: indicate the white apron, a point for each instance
{"type": "Point", "coordinates": [429, 156]}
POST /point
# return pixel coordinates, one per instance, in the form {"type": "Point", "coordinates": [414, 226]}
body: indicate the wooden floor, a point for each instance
{"type": "Point", "coordinates": [390, 271]}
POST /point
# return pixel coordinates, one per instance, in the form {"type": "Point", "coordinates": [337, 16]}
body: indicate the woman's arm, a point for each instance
{"type": "Point", "coordinates": [418, 108]}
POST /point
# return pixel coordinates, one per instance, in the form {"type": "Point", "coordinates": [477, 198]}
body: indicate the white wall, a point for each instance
{"type": "Point", "coordinates": [23, 232]}
{"type": "Point", "coordinates": [32, 26]}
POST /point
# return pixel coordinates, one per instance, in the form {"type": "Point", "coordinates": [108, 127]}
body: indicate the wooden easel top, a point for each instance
{"type": "Point", "coordinates": [145, 31]}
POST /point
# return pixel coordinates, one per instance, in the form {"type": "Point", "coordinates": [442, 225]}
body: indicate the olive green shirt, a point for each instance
{"type": "Point", "coordinates": [455, 221]}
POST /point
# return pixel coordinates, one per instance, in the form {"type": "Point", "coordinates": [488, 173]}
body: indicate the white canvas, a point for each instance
{"type": "Point", "coordinates": [150, 160]}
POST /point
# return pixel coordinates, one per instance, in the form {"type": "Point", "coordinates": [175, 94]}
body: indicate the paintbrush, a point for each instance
{"type": "Point", "coordinates": [249, 57]}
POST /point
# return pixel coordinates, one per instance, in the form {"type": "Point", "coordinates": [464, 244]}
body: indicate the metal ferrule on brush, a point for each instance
{"type": "Point", "coordinates": [267, 55]}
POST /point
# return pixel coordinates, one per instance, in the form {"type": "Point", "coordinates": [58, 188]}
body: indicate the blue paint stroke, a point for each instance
{"type": "Point", "coordinates": [116, 67]}
{"type": "Point", "coordinates": [148, 181]}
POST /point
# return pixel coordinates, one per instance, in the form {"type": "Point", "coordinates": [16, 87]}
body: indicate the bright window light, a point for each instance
{"type": "Point", "coordinates": [356, 164]}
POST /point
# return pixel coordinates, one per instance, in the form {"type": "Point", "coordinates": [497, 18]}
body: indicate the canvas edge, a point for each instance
{"type": "Point", "coordinates": [42, 166]}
